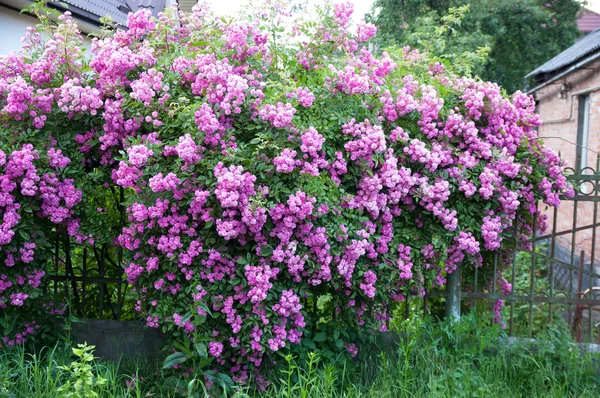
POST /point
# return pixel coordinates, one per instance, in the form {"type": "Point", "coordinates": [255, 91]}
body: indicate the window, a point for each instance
{"type": "Point", "coordinates": [583, 126]}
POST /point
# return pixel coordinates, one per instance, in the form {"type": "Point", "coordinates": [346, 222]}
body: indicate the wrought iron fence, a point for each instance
{"type": "Point", "coordinates": [553, 276]}
{"type": "Point", "coordinates": [90, 279]}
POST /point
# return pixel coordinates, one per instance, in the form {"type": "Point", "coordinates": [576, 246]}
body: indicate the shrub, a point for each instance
{"type": "Point", "coordinates": [81, 380]}
{"type": "Point", "coordinates": [282, 186]}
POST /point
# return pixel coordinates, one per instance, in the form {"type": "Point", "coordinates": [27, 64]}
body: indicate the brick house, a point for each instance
{"type": "Point", "coordinates": [567, 93]}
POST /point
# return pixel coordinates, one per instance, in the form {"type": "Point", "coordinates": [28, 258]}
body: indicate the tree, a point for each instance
{"type": "Point", "coordinates": [521, 34]}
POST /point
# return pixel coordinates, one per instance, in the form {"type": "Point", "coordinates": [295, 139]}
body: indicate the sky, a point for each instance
{"type": "Point", "coordinates": [594, 5]}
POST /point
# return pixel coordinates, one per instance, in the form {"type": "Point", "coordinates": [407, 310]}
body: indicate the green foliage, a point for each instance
{"type": "Point", "coordinates": [51, 373]}
{"type": "Point", "coordinates": [81, 380]}
{"type": "Point", "coordinates": [194, 355]}
{"type": "Point", "coordinates": [444, 38]}
{"type": "Point", "coordinates": [521, 34]}
{"type": "Point", "coordinates": [459, 359]}
{"type": "Point", "coordinates": [427, 359]}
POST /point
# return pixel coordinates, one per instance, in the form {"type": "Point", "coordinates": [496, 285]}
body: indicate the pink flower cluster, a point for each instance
{"type": "Point", "coordinates": [263, 190]}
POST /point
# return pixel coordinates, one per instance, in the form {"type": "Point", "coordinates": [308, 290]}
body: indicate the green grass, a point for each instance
{"type": "Point", "coordinates": [445, 360]}
{"type": "Point", "coordinates": [430, 359]}
{"type": "Point", "coordinates": [41, 375]}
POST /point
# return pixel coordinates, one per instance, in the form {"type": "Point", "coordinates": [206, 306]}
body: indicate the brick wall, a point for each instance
{"type": "Point", "coordinates": [559, 131]}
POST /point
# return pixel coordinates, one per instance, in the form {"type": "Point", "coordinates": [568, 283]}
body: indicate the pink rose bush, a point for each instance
{"type": "Point", "coordinates": [278, 192]}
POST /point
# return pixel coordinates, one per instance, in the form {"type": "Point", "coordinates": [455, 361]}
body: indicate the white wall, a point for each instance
{"type": "Point", "coordinates": [12, 28]}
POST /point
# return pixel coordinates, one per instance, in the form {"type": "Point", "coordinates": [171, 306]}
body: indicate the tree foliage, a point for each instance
{"type": "Point", "coordinates": [521, 34]}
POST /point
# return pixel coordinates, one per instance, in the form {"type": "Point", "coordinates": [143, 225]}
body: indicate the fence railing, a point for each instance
{"type": "Point", "coordinates": [553, 276]}
{"type": "Point", "coordinates": [91, 278]}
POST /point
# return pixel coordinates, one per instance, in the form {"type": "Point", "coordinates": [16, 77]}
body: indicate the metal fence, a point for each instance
{"type": "Point", "coordinates": [90, 279]}
{"type": "Point", "coordinates": [555, 276]}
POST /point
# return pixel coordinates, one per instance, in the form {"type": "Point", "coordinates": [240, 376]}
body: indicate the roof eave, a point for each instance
{"type": "Point", "coordinates": [584, 61]}
{"type": "Point", "coordinates": [86, 25]}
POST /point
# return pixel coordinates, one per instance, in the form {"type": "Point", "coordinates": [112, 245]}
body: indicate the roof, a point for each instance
{"type": "Point", "coordinates": [117, 9]}
{"type": "Point", "coordinates": [588, 21]}
{"type": "Point", "coordinates": [584, 47]}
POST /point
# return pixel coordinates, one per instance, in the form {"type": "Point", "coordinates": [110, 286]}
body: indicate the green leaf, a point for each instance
{"type": "Point", "coordinates": [242, 261]}
{"type": "Point", "coordinates": [186, 317]}
{"type": "Point", "coordinates": [225, 380]}
{"type": "Point", "coordinates": [199, 43]}
{"type": "Point", "coordinates": [174, 359]}
{"type": "Point", "coordinates": [201, 349]}
{"type": "Point", "coordinates": [266, 251]}
{"type": "Point", "coordinates": [309, 344]}
{"type": "Point", "coordinates": [320, 337]}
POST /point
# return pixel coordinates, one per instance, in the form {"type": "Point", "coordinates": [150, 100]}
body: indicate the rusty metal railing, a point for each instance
{"type": "Point", "coordinates": [554, 276]}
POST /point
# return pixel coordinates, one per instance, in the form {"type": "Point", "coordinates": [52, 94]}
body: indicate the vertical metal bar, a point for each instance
{"type": "Point", "coordinates": [573, 240]}
{"type": "Point", "coordinates": [580, 295]}
{"type": "Point", "coordinates": [495, 274]}
{"type": "Point", "coordinates": [580, 276]}
{"type": "Point", "coordinates": [532, 280]}
{"type": "Point", "coordinates": [83, 282]}
{"type": "Point", "coordinates": [453, 293]}
{"type": "Point", "coordinates": [477, 275]}
{"type": "Point", "coordinates": [102, 284]}
{"type": "Point", "coordinates": [591, 274]}
{"type": "Point", "coordinates": [119, 283]}
{"type": "Point", "coordinates": [121, 291]}
{"type": "Point", "coordinates": [494, 281]}
{"type": "Point", "coordinates": [69, 271]}
{"type": "Point", "coordinates": [593, 254]}
{"type": "Point", "coordinates": [56, 258]}
{"type": "Point", "coordinates": [45, 286]}
{"type": "Point", "coordinates": [552, 253]}
{"type": "Point", "coordinates": [511, 327]}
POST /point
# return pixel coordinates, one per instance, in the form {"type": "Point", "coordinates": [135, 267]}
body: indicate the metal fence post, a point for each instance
{"type": "Point", "coordinates": [453, 292]}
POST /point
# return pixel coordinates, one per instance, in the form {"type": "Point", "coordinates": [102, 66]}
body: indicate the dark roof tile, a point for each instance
{"type": "Point", "coordinates": [587, 45]}
{"type": "Point", "coordinates": [117, 9]}
{"type": "Point", "coordinates": [101, 8]}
